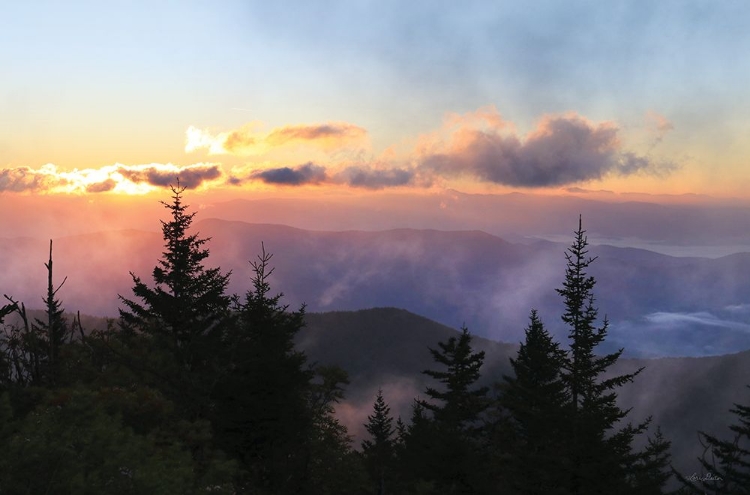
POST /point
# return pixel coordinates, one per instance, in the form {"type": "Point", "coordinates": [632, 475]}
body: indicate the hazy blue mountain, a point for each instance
{"type": "Point", "coordinates": [658, 305]}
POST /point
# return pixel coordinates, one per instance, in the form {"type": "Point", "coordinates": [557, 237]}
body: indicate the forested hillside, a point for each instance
{"type": "Point", "coordinates": [196, 389]}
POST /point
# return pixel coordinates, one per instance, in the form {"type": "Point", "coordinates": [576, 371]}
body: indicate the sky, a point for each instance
{"type": "Point", "coordinates": [355, 97]}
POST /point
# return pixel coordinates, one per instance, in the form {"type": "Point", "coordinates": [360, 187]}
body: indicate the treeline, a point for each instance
{"type": "Point", "coordinates": [193, 390]}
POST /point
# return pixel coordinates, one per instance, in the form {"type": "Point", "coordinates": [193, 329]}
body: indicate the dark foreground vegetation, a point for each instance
{"type": "Point", "coordinates": [193, 390]}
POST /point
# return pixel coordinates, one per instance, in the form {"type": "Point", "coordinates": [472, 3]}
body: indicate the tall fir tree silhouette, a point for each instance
{"type": "Point", "coordinates": [188, 301]}
{"type": "Point", "coordinates": [598, 449]}
{"type": "Point", "coordinates": [173, 332]}
{"type": "Point", "coordinates": [379, 450]}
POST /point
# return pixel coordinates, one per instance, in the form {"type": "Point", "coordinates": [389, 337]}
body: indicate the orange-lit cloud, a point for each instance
{"type": "Point", "coordinates": [561, 150]}
{"type": "Point", "coordinates": [249, 140]}
{"type": "Point", "coordinates": [118, 178]}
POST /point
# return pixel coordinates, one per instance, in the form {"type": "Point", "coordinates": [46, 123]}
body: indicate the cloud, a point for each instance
{"type": "Point", "coordinates": [249, 140]}
{"type": "Point", "coordinates": [308, 173]}
{"type": "Point", "coordinates": [190, 176]}
{"type": "Point", "coordinates": [672, 320]}
{"type": "Point", "coordinates": [370, 178]}
{"type": "Point", "coordinates": [25, 179]}
{"type": "Point", "coordinates": [360, 176]}
{"type": "Point", "coordinates": [562, 150]}
{"type": "Point", "coordinates": [658, 125]}
{"type": "Point", "coordinates": [118, 178]}
{"type": "Point", "coordinates": [104, 186]}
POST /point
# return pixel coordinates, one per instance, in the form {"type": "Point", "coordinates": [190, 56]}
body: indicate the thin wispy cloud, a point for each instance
{"type": "Point", "coordinates": [671, 320]}
{"type": "Point", "coordinates": [659, 125]}
{"type": "Point", "coordinates": [250, 140]}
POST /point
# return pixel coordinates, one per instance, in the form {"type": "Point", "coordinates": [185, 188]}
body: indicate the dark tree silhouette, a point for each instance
{"type": "Point", "coordinates": [173, 332]}
{"type": "Point", "coordinates": [599, 450]}
{"type": "Point", "coordinates": [32, 348]}
{"type": "Point", "coordinates": [262, 412]}
{"type": "Point", "coordinates": [188, 302]}
{"type": "Point", "coordinates": [379, 450]}
{"type": "Point", "coordinates": [536, 400]}
{"type": "Point", "coordinates": [726, 463]}
{"type": "Point", "coordinates": [459, 405]}
{"type": "Point", "coordinates": [455, 455]}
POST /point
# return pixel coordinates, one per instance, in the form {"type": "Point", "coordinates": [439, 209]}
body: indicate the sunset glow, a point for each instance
{"type": "Point", "coordinates": [480, 98]}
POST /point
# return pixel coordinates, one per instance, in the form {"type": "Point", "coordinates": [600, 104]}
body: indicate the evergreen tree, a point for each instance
{"type": "Point", "coordinates": [417, 462]}
{"type": "Point", "coordinates": [726, 463]}
{"type": "Point", "coordinates": [262, 413]}
{"type": "Point", "coordinates": [332, 467]}
{"type": "Point", "coordinates": [174, 331]}
{"type": "Point", "coordinates": [379, 451]}
{"type": "Point", "coordinates": [188, 302]}
{"type": "Point", "coordinates": [456, 457]}
{"type": "Point", "coordinates": [599, 453]}
{"type": "Point", "coordinates": [536, 399]}
{"type": "Point", "coordinates": [652, 470]}
{"type": "Point", "coordinates": [459, 405]}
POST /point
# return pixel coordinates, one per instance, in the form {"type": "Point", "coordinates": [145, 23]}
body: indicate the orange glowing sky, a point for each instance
{"type": "Point", "coordinates": [352, 98]}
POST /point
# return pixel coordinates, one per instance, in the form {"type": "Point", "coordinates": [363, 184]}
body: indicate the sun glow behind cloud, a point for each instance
{"type": "Point", "coordinates": [117, 178]}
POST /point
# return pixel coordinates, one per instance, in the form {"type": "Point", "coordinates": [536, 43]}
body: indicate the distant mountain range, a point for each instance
{"type": "Point", "coordinates": [658, 305]}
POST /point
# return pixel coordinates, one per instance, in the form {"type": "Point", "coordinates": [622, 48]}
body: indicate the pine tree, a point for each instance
{"type": "Point", "coordinates": [263, 415]}
{"type": "Point", "coordinates": [379, 452]}
{"type": "Point", "coordinates": [726, 463]}
{"type": "Point", "coordinates": [459, 406]}
{"type": "Point", "coordinates": [188, 302]}
{"type": "Point", "coordinates": [457, 409]}
{"type": "Point", "coordinates": [536, 399]}
{"type": "Point", "coordinates": [172, 333]}
{"type": "Point", "coordinates": [417, 463]}
{"type": "Point", "coordinates": [599, 453]}
{"type": "Point", "coordinates": [653, 470]}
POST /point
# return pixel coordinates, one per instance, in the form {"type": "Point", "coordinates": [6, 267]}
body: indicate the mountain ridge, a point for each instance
{"type": "Point", "coordinates": [454, 277]}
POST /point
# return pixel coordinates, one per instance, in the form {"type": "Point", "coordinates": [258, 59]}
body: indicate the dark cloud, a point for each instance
{"type": "Point", "coordinates": [103, 186]}
{"type": "Point", "coordinates": [189, 177]}
{"type": "Point", "coordinates": [361, 176]}
{"type": "Point", "coordinates": [563, 150]}
{"type": "Point", "coordinates": [24, 179]}
{"type": "Point", "coordinates": [354, 176]}
{"type": "Point", "coordinates": [308, 173]}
